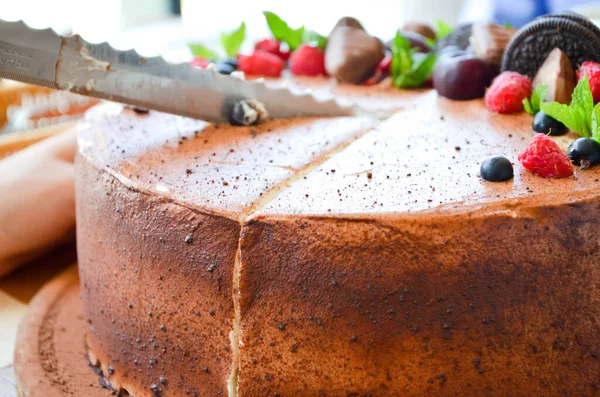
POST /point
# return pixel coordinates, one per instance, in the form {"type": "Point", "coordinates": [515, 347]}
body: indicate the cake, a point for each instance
{"type": "Point", "coordinates": [335, 256]}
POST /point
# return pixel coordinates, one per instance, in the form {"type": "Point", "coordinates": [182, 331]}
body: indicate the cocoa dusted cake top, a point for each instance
{"type": "Point", "coordinates": [218, 168]}
{"type": "Point", "coordinates": [428, 159]}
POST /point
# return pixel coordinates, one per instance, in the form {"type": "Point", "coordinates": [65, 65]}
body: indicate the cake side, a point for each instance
{"type": "Point", "coordinates": [393, 269]}
{"type": "Point", "coordinates": [451, 305]}
{"type": "Point", "coordinates": [149, 185]}
{"type": "Point", "coordinates": [141, 261]}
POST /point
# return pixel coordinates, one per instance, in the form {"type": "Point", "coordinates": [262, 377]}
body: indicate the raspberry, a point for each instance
{"type": "Point", "coordinates": [274, 47]}
{"type": "Point", "coordinates": [199, 62]}
{"type": "Point", "coordinates": [308, 61]}
{"type": "Point", "coordinates": [267, 45]}
{"type": "Point", "coordinates": [261, 63]}
{"type": "Point", "coordinates": [507, 92]}
{"type": "Point", "coordinates": [592, 70]}
{"type": "Point", "coordinates": [375, 79]}
{"type": "Point", "coordinates": [382, 71]}
{"type": "Point", "coordinates": [385, 64]}
{"type": "Point", "coordinates": [544, 158]}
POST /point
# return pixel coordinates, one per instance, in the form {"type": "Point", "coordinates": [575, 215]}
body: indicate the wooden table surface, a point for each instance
{"type": "Point", "coordinates": [16, 290]}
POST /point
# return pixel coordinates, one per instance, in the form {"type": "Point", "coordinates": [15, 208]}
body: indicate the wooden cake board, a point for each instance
{"type": "Point", "coordinates": [50, 359]}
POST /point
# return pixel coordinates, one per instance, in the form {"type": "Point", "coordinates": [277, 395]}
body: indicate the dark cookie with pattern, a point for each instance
{"type": "Point", "coordinates": [575, 17]}
{"type": "Point", "coordinates": [530, 46]}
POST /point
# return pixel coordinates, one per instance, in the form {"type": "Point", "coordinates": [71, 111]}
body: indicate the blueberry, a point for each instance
{"type": "Point", "coordinates": [584, 152]}
{"type": "Point", "coordinates": [496, 169]}
{"type": "Point", "coordinates": [231, 61]}
{"type": "Point", "coordinates": [545, 124]}
{"type": "Point", "coordinates": [224, 68]}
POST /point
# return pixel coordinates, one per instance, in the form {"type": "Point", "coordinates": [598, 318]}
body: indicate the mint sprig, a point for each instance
{"type": "Point", "coordinates": [533, 105]}
{"type": "Point", "coordinates": [294, 38]}
{"type": "Point", "coordinates": [199, 50]}
{"type": "Point", "coordinates": [232, 41]}
{"type": "Point", "coordinates": [443, 29]}
{"type": "Point", "coordinates": [596, 123]}
{"type": "Point", "coordinates": [409, 68]}
{"type": "Point", "coordinates": [310, 36]}
{"type": "Point", "coordinates": [578, 115]}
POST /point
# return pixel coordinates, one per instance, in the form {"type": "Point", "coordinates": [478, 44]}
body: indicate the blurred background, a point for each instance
{"type": "Point", "coordinates": [166, 27]}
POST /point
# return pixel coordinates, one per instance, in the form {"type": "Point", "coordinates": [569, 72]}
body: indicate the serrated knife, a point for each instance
{"type": "Point", "coordinates": [44, 58]}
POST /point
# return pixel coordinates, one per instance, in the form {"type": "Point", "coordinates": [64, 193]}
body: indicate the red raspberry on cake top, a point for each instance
{"type": "Point", "coordinates": [592, 70]}
{"type": "Point", "coordinates": [507, 92]}
{"type": "Point", "coordinates": [261, 63]}
{"type": "Point", "coordinates": [308, 61]}
{"type": "Point", "coordinates": [544, 158]}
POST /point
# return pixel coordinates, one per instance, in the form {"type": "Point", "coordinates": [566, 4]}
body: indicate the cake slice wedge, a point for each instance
{"type": "Point", "coordinates": [160, 201]}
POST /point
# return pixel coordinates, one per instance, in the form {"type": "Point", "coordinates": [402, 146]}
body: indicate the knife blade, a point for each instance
{"type": "Point", "coordinates": [43, 57]}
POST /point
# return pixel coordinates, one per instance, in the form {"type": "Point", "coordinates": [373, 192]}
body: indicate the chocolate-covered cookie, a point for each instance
{"type": "Point", "coordinates": [530, 46]}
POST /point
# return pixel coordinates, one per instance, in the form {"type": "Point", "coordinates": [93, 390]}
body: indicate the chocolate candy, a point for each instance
{"type": "Point", "coordinates": [460, 37]}
{"type": "Point", "coordinates": [531, 45]}
{"type": "Point", "coordinates": [558, 75]}
{"type": "Point", "coordinates": [352, 55]}
{"type": "Point", "coordinates": [489, 41]}
{"type": "Point", "coordinates": [348, 21]}
{"type": "Point", "coordinates": [423, 29]}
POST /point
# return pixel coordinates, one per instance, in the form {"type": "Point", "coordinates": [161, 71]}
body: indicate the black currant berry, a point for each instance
{"type": "Point", "coordinates": [584, 152]}
{"type": "Point", "coordinates": [224, 68]}
{"type": "Point", "coordinates": [544, 124]}
{"type": "Point", "coordinates": [496, 169]}
{"type": "Point", "coordinates": [231, 61]}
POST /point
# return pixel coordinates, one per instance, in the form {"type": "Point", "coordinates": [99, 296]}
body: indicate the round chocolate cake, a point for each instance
{"type": "Point", "coordinates": [354, 256]}
{"type": "Point", "coordinates": [334, 257]}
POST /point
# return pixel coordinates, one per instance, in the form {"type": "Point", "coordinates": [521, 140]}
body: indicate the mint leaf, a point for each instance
{"type": "Point", "coordinates": [443, 29]}
{"type": "Point", "coordinates": [582, 104]}
{"type": "Point", "coordinates": [312, 37]}
{"type": "Point", "coordinates": [283, 32]}
{"type": "Point", "coordinates": [596, 123]}
{"type": "Point", "coordinates": [409, 68]}
{"type": "Point", "coordinates": [424, 67]}
{"type": "Point", "coordinates": [295, 38]}
{"type": "Point", "coordinates": [508, 25]}
{"type": "Point", "coordinates": [401, 56]}
{"type": "Point", "coordinates": [232, 41]}
{"type": "Point", "coordinates": [278, 27]}
{"type": "Point", "coordinates": [579, 115]}
{"type": "Point", "coordinates": [528, 107]}
{"type": "Point", "coordinates": [198, 50]}
{"type": "Point", "coordinates": [537, 97]}
{"type": "Point", "coordinates": [562, 113]}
